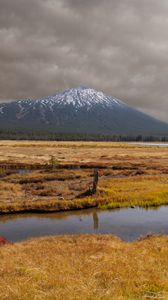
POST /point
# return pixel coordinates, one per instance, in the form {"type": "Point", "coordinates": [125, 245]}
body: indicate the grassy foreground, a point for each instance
{"type": "Point", "coordinates": [85, 267]}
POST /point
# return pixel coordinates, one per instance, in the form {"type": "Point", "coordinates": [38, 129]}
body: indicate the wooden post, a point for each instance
{"type": "Point", "coordinates": [95, 181]}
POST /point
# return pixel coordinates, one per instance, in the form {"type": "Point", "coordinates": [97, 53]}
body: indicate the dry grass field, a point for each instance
{"type": "Point", "coordinates": [29, 153]}
{"type": "Point", "coordinates": [85, 267]}
{"type": "Point", "coordinates": [54, 176]}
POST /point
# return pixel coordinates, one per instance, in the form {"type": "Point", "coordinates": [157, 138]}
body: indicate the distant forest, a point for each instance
{"type": "Point", "coordinates": [53, 136]}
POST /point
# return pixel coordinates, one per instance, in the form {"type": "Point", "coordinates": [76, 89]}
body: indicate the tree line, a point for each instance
{"type": "Point", "coordinates": [55, 136]}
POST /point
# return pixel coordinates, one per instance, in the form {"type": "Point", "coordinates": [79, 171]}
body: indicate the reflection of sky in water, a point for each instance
{"type": "Point", "coordinates": [129, 224]}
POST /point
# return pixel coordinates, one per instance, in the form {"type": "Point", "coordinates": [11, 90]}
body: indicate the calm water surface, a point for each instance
{"type": "Point", "coordinates": [151, 144]}
{"type": "Point", "coordinates": [128, 224]}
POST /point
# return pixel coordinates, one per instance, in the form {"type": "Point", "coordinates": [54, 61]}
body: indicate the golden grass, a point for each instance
{"type": "Point", "coordinates": [33, 152]}
{"type": "Point", "coordinates": [136, 191]}
{"type": "Point", "coordinates": [84, 267]}
{"type": "Point", "coordinates": [35, 192]}
{"type": "Point", "coordinates": [67, 144]}
{"type": "Point", "coordinates": [130, 175]}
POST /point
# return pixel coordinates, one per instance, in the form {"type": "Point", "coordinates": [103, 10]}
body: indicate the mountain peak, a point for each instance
{"type": "Point", "coordinates": [79, 110]}
{"type": "Point", "coordinates": [83, 97]}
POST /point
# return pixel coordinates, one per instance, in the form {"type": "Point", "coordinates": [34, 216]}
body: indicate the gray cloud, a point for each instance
{"type": "Point", "coordinates": [118, 46]}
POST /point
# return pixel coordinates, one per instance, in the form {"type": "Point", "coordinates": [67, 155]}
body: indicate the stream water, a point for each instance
{"type": "Point", "coordinates": [147, 144]}
{"type": "Point", "coordinates": [128, 224]}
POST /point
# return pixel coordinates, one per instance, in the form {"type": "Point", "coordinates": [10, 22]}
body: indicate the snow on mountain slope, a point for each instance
{"type": "Point", "coordinates": [80, 97]}
{"type": "Point", "coordinates": [81, 110]}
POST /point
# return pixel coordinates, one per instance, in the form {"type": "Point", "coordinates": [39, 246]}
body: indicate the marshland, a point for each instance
{"type": "Point", "coordinates": [54, 179]}
{"type": "Point", "coordinates": [56, 176]}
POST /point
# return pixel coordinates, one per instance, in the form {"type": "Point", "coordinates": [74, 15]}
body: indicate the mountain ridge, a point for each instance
{"type": "Point", "coordinates": [79, 110]}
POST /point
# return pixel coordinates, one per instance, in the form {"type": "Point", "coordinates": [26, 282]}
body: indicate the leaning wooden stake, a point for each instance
{"type": "Point", "coordinates": [95, 181]}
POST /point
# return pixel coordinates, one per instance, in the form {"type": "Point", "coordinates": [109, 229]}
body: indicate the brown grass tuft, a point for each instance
{"type": "Point", "coordinates": [85, 267]}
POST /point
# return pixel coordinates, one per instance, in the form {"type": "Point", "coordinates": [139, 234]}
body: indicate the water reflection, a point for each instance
{"type": "Point", "coordinates": [24, 171]}
{"type": "Point", "coordinates": [129, 224]}
{"type": "Point", "coordinates": [95, 220]}
{"type": "Point", "coordinates": [95, 217]}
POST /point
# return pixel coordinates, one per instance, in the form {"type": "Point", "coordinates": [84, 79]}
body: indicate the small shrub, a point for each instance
{"type": "Point", "coordinates": [53, 162]}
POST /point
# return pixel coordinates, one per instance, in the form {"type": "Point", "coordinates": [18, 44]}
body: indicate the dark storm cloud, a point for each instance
{"type": "Point", "coordinates": [118, 46]}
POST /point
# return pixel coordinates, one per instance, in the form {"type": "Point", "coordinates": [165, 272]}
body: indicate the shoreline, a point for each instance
{"type": "Point", "coordinates": [97, 205]}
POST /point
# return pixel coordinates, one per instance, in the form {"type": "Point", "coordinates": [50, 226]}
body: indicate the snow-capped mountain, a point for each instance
{"type": "Point", "coordinates": [79, 110]}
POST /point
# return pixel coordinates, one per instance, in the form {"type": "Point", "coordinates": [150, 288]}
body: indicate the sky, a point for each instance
{"type": "Point", "coordinates": [119, 47]}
